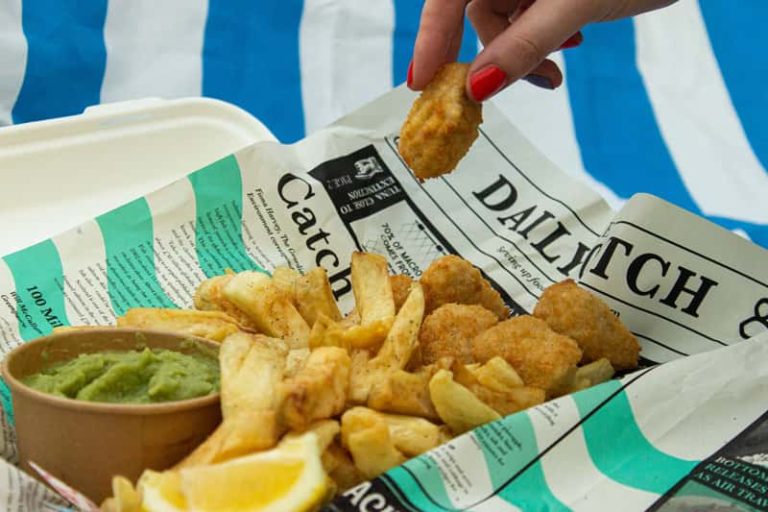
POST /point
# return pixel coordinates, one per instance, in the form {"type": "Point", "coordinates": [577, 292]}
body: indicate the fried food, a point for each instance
{"type": "Point", "coordinates": [401, 285]}
{"type": "Point", "coordinates": [403, 392]}
{"type": "Point", "coordinates": [456, 405]}
{"type": "Point", "coordinates": [442, 124]}
{"type": "Point", "coordinates": [594, 373]}
{"type": "Point", "coordinates": [403, 337]}
{"type": "Point", "coordinates": [543, 358]}
{"type": "Point", "coordinates": [319, 389]}
{"type": "Point", "coordinates": [212, 325]}
{"type": "Point", "coordinates": [449, 329]}
{"type": "Point", "coordinates": [314, 296]}
{"type": "Point", "coordinates": [367, 437]}
{"type": "Point", "coordinates": [270, 309]}
{"type": "Point", "coordinates": [577, 313]}
{"type": "Point", "coordinates": [451, 279]}
{"type": "Point", "coordinates": [252, 368]}
{"type": "Point", "coordinates": [209, 297]}
{"type": "Point", "coordinates": [504, 400]}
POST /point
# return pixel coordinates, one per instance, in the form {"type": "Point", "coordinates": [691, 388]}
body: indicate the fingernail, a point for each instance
{"type": "Point", "coordinates": [485, 83]}
{"type": "Point", "coordinates": [409, 77]}
{"type": "Point", "coordinates": [573, 41]}
{"type": "Point", "coordinates": [540, 81]}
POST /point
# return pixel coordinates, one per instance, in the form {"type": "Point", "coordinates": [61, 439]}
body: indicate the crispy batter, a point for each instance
{"type": "Point", "coordinates": [442, 124]}
{"type": "Point", "coordinates": [401, 285]}
{"type": "Point", "coordinates": [448, 331]}
{"type": "Point", "coordinates": [543, 358]}
{"type": "Point", "coordinates": [453, 279]}
{"type": "Point", "coordinates": [577, 313]}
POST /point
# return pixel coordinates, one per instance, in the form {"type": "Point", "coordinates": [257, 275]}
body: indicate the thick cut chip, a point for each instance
{"type": "Point", "coordinates": [371, 287]}
{"type": "Point", "coordinates": [449, 329]}
{"type": "Point", "coordinates": [542, 358]}
{"type": "Point", "coordinates": [285, 279]}
{"type": "Point", "coordinates": [442, 124]}
{"type": "Point", "coordinates": [497, 374]}
{"type": "Point", "coordinates": [456, 405]}
{"type": "Point", "coordinates": [504, 401]}
{"type": "Point", "coordinates": [319, 389]}
{"type": "Point", "coordinates": [403, 392]}
{"type": "Point", "coordinates": [592, 374]}
{"type": "Point", "coordinates": [412, 436]}
{"type": "Point", "coordinates": [314, 296]}
{"type": "Point", "coordinates": [367, 437]}
{"type": "Point", "coordinates": [403, 337]}
{"type": "Point", "coordinates": [252, 368]}
{"type": "Point", "coordinates": [269, 308]}
{"type": "Point", "coordinates": [575, 312]}
{"type": "Point", "coordinates": [213, 325]}
{"type": "Point", "coordinates": [451, 279]}
{"type": "Point", "coordinates": [341, 468]}
{"type": "Point", "coordinates": [209, 297]}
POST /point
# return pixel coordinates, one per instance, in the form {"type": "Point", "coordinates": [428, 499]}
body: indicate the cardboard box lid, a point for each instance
{"type": "Point", "coordinates": [58, 173]}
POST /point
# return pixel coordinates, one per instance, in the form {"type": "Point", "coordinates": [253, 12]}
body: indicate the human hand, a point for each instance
{"type": "Point", "coordinates": [517, 36]}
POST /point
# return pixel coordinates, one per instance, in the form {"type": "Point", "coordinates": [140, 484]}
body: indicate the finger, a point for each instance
{"type": "Point", "coordinates": [438, 40]}
{"type": "Point", "coordinates": [546, 75]}
{"type": "Point", "coordinates": [541, 29]}
{"type": "Point", "coordinates": [490, 17]}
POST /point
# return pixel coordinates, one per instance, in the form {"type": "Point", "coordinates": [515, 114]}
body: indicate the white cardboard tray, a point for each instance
{"type": "Point", "coordinates": [58, 173]}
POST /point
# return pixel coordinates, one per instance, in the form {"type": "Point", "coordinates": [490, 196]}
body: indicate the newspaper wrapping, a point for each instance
{"type": "Point", "coordinates": [683, 285]}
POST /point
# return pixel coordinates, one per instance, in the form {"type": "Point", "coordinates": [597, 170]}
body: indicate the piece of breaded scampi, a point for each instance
{"type": "Point", "coordinates": [442, 124]}
{"type": "Point", "coordinates": [448, 331]}
{"type": "Point", "coordinates": [451, 279]}
{"type": "Point", "coordinates": [543, 358]}
{"type": "Point", "coordinates": [575, 312]}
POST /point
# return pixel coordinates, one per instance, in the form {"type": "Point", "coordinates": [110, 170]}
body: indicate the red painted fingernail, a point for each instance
{"type": "Point", "coordinates": [573, 41]}
{"type": "Point", "coordinates": [409, 77]}
{"type": "Point", "coordinates": [485, 83]}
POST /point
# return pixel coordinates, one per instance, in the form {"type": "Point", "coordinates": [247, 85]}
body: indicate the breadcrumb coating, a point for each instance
{"type": "Point", "coordinates": [442, 124]}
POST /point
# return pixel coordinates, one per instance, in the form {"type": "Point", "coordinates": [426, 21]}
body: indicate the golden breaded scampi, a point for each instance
{"type": "Point", "coordinates": [442, 124]}
{"type": "Point", "coordinates": [448, 331]}
{"type": "Point", "coordinates": [577, 313]}
{"type": "Point", "coordinates": [451, 279]}
{"type": "Point", "coordinates": [542, 357]}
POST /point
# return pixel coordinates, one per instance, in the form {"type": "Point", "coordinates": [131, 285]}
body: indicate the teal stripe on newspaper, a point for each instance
{"type": "Point", "coordinates": [428, 474]}
{"type": "Point", "coordinates": [618, 447]}
{"type": "Point", "coordinates": [507, 446]}
{"type": "Point", "coordinates": [218, 226]}
{"type": "Point", "coordinates": [529, 490]}
{"type": "Point", "coordinates": [38, 277]}
{"type": "Point", "coordinates": [128, 235]}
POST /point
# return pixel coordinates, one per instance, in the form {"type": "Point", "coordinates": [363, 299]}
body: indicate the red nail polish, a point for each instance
{"type": "Point", "coordinates": [409, 77]}
{"type": "Point", "coordinates": [485, 83]}
{"type": "Point", "coordinates": [573, 41]}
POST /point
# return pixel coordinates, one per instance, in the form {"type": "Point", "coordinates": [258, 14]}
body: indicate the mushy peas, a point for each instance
{"type": "Point", "coordinates": [131, 377]}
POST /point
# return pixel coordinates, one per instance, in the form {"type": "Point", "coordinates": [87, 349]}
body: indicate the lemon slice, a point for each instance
{"type": "Point", "coordinates": [287, 478]}
{"type": "Point", "coordinates": [161, 492]}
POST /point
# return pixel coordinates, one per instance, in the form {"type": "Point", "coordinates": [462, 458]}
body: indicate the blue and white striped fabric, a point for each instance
{"type": "Point", "coordinates": [673, 102]}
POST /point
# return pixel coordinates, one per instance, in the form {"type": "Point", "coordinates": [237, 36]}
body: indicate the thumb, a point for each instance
{"type": "Point", "coordinates": [524, 46]}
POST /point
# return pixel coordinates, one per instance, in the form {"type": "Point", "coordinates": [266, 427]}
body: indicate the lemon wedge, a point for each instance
{"type": "Point", "coordinates": [289, 477]}
{"type": "Point", "coordinates": [161, 492]}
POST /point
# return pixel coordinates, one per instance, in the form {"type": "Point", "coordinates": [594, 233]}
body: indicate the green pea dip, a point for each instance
{"type": "Point", "coordinates": [131, 377]}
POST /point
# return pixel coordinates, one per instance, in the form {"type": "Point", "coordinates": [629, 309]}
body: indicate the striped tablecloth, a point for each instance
{"type": "Point", "coordinates": [673, 103]}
